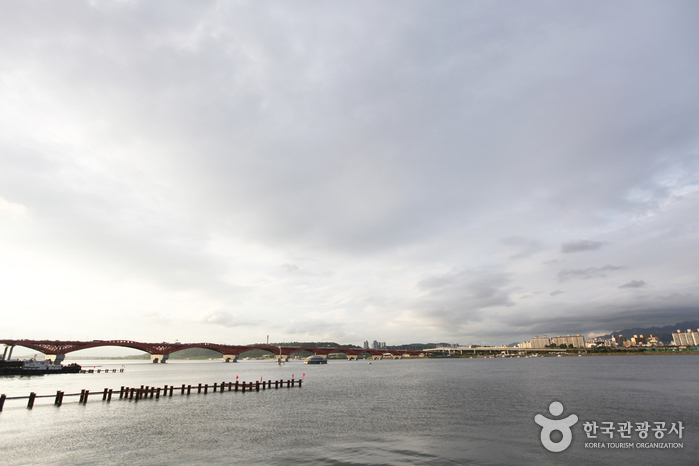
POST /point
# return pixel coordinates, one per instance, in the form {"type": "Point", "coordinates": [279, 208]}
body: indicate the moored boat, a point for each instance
{"type": "Point", "coordinates": [315, 360]}
{"type": "Point", "coordinates": [35, 367]}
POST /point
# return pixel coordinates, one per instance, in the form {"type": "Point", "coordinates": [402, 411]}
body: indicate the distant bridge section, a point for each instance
{"type": "Point", "coordinates": [160, 352]}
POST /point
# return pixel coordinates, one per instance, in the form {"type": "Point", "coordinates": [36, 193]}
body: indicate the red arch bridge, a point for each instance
{"type": "Point", "coordinates": [160, 352]}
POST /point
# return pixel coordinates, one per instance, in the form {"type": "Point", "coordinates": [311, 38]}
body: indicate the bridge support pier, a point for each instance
{"type": "Point", "coordinates": [230, 358]}
{"type": "Point", "coordinates": [377, 357]}
{"type": "Point", "coordinates": [55, 358]}
{"type": "Point", "coordinates": [351, 357]}
{"type": "Point", "coordinates": [283, 357]}
{"type": "Point", "coordinates": [159, 358]}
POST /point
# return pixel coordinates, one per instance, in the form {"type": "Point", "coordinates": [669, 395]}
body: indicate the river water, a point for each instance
{"type": "Point", "coordinates": [443, 411]}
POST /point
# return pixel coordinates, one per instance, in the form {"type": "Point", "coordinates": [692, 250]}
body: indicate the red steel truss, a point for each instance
{"type": "Point", "coordinates": [164, 348]}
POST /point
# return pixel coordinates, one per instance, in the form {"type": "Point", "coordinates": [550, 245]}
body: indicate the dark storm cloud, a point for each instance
{"type": "Point", "coordinates": [585, 274]}
{"type": "Point", "coordinates": [583, 319]}
{"type": "Point", "coordinates": [579, 246]}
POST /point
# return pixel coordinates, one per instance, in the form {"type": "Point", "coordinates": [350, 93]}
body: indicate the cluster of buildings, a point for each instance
{"type": "Point", "coordinates": [679, 338]}
{"type": "Point", "coordinates": [375, 344]}
{"type": "Point", "coordinates": [620, 341]}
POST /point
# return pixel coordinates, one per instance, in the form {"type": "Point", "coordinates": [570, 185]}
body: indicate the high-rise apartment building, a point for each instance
{"type": "Point", "coordinates": [688, 338]}
{"type": "Point", "coordinates": [578, 341]}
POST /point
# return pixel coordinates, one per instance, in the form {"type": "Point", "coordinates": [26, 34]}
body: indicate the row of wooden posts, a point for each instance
{"type": "Point", "coordinates": [92, 371]}
{"type": "Point", "coordinates": [144, 392]}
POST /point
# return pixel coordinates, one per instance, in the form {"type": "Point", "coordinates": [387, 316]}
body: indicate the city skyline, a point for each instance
{"type": "Point", "coordinates": [482, 172]}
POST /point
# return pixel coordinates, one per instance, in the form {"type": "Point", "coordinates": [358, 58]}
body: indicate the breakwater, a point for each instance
{"type": "Point", "coordinates": [147, 392]}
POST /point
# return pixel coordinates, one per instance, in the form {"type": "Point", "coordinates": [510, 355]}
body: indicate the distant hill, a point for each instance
{"type": "Point", "coordinates": [315, 344]}
{"type": "Point", "coordinates": [663, 334]}
{"type": "Point", "coordinates": [203, 353]}
{"type": "Point", "coordinates": [196, 353]}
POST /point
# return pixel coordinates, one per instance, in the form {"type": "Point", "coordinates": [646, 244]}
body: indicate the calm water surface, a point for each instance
{"type": "Point", "coordinates": [438, 411]}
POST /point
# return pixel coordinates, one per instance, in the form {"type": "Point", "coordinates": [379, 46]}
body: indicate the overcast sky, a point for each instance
{"type": "Point", "coordinates": [457, 171]}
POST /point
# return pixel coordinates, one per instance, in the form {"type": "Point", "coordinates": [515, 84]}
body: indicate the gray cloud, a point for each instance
{"type": "Point", "coordinates": [580, 246]}
{"type": "Point", "coordinates": [454, 300]}
{"type": "Point", "coordinates": [292, 269]}
{"type": "Point", "coordinates": [524, 247]}
{"type": "Point", "coordinates": [557, 292]}
{"type": "Point", "coordinates": [587, 273]}
{"type": "Point", "coordinates": [634, 284]}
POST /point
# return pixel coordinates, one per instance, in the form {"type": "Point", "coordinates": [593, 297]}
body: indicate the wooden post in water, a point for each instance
{"type": "Point", "coordinates": [300, 380]}
{"type": "Point", "coordinates": [243, 386]}
{"type": "Point", "coordinates": [199, 389]}
{"type": "Point", "coordinates": [257, 386]}
{"type": "Point", "coordinates": [87, 392]}
{"type": "Point", "coordinates": [189, 389]}
{"type": "Point", "coordinates": [157, 393]}
{"type": "Point", "coordinates": [182, 392]}
{"type": "Point", "coordinates": [172, 387]}
{"type": "Point", "coordinates": [104, 395]}
{"type": "Point", "coordinates": [236, 385]}
{"type": "Point", "coordinates": [2, 401]}
{"type": "Point", "coordinates": [109, 395]}
{"type": "Point", "coordinates": [206, 388]}
{"type": "Point", "coordinates": [223, 385]}
{"type": "Point", "coordinates": [30, 403]}
{"type": "Point", "coordinates": [121, 392]}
